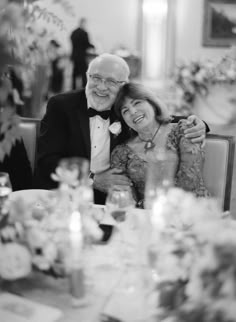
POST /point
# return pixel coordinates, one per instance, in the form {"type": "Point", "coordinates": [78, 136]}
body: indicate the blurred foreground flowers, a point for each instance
{"type": "Point", "coordinates": [195, 260]}
{"type": "Point", "coordinates": [38, 233]}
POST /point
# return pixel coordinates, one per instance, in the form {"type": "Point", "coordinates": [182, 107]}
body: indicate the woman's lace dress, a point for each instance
{"type": "Point", "coordinates": [188, 162]}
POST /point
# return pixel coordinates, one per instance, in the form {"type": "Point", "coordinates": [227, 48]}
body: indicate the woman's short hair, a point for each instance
{"type": "Point", "coordinates": [138, 91]}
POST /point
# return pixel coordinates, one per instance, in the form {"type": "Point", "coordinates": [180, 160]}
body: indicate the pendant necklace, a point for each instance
{"type": "Point", "coordinates": [150, 145]}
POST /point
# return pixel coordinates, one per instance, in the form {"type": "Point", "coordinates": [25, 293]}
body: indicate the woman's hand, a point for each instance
{"type": "Point", "coordinates": [196, 131]}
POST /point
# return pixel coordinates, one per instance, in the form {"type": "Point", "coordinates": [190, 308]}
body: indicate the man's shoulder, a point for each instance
{"type": "Point", "coordinates": [67, 101]}
{"type": "Point", "coordinates": [77, 32]}
{"type": "Point", "coordinates": [70, 96]}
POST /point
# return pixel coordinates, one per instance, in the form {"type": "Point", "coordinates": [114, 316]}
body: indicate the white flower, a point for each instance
{"type": "Point", "coordinates": [91, 228]}
{"type": "Point", "coordinates": [231, 74]}
{"type": "Point", "coordinates": [15, 261]}
{"type": "Point", "coordinates": [185, 73]}
{"type": "Point", "coordinates": [200, 76]}
{"type": "Point", "coordinates": [66, 176]}
{"type": "Point", "coordinates": [115, 128]}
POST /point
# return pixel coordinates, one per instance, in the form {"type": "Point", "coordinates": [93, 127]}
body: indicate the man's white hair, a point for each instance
{"type": "Point", "coordinates": [112, 58]}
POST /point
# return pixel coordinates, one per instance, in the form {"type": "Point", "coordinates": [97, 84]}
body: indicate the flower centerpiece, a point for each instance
{"type": "Point", "coordinates": [198, 82]}
{"type": "Point", "coordinates": [38, 234]}
{"type": "Point", "coordinates": [195, 260]}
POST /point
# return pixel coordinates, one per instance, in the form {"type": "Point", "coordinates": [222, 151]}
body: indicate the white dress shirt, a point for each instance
{"type": "Point", "coordinates": [100, 144]}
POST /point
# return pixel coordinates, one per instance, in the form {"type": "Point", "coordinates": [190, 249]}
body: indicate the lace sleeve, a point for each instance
{"type": "Point", "coordinates": [119, 157]}
{"type": "Point", "coordinates": [119, 160]}
{"type": "Point", "coordinates": [191, 161]}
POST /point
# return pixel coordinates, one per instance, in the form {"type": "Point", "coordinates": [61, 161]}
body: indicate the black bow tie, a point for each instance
{"type": "Point", "coordinates": [103, 114]}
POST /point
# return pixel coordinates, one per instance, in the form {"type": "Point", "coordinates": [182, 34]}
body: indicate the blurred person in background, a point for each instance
{"type": "Point", "coordinates": [80, 44]}
{"type": "Point", "coordinates": [56, 78]}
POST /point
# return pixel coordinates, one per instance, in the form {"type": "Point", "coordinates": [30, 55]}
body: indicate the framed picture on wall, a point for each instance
{"type": "Point", "coordinates": [219, 23]}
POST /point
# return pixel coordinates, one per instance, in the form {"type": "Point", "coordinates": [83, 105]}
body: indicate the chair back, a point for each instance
{"type": "Point", "coordinates": [29, 128]}
{"type": "Point", "coordinates": [218, 167]}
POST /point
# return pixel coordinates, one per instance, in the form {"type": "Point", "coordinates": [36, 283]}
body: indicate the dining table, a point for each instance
{"type": "Point", "coordinates": [116, 277]}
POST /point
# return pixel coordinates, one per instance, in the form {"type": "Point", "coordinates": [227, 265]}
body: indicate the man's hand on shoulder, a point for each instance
{"type": "Point", "coordinates": [196, 131]}
{"type": "Point", "coordinates": [113, 177]}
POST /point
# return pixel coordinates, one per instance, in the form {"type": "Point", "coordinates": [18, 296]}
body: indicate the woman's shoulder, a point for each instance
{"type": "Point", "coordinates": [177, 139]}
{"type": "Point", "coordinates": [176, 131]}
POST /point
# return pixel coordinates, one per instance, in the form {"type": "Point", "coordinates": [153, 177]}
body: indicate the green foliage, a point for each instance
{"type": "Point", "coordinates": [22, 45]}
{"type": "Point", "coordinates": [19, 38]}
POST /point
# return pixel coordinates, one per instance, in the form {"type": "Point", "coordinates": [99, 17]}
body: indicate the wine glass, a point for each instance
{"type": "Point", "coordinates": [5, 189]}
{"type": "Point", "coordinates": [118, 205]}
{"type": "Point", "coordinates": [118, 202]}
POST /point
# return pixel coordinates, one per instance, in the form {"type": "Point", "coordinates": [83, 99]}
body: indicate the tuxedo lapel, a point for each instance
{"type": "Point", "coordinates": [84, 123]}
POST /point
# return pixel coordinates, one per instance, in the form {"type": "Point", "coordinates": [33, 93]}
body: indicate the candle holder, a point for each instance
{"type": "Point", "coordinates": [74, 184]}
{"type": "Point", "coordinates": [75, 265]}
{"type": "Point", "coordinates": [77, 287]}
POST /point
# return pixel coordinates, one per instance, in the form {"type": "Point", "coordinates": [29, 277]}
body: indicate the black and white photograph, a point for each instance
{"type": "Point", "coordinates": [117, 161]}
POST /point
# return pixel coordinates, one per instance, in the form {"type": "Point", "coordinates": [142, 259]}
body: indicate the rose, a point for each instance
{"type": "Point", "coordinates": [15, 261]}
{"type": "Point", "coordinates": [115, 128]}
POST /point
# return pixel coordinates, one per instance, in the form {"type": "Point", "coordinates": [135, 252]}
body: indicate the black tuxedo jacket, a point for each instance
{"type": "Point", "coordinates": [65, 133]}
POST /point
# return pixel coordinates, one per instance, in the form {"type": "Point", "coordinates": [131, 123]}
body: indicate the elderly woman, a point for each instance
{"type": "Point", "coordinates": [146, 128]}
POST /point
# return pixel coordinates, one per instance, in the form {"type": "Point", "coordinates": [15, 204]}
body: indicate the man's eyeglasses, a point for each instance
{"type": "Point", "coordinates": [109, 82]}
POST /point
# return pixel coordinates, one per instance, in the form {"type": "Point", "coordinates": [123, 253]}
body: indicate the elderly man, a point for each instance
{"type": "Point", "coordinates": [76, 124]}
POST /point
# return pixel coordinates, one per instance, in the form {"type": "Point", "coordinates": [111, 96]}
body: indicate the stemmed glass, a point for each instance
{"type": "Point", "coordinates": [118, 202]}
{"type": "Point", "coordinates": [5, 189]}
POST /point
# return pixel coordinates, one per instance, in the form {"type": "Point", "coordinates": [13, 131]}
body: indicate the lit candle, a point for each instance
{"type": "Point", "coordinates": [76, 276]}
{"type": "Point", "coordinates": [76, 239]}
{"type": "Point", "coordinates": [158, 209]}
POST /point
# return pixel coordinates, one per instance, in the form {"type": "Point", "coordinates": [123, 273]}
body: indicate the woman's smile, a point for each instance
{"type": "Point", "coordinates": [138, 114]}
{"type": "Point", "coordinates": [138, 119]}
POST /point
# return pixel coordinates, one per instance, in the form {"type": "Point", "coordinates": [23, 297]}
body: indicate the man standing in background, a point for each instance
{"type": "Point", "coordinates": [80, 44]}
